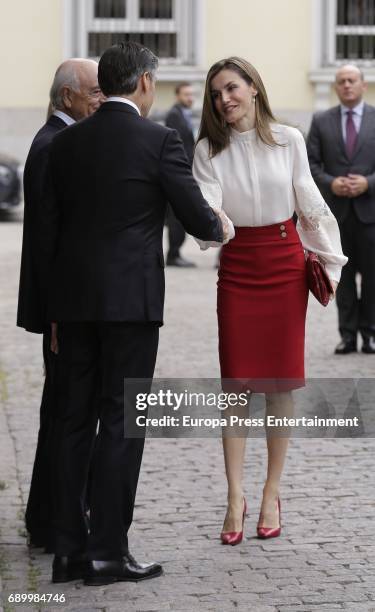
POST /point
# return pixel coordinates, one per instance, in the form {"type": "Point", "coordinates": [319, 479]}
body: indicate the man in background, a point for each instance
{"type": "Point", "coordinates": [74, 95]}
{"type": "Point", "coordinates": [341, 149]}
{"type": "Point", "coordinates": [180, 118]}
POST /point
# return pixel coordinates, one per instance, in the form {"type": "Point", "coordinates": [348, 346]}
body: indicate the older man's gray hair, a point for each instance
{"type": "Point", "coordinates": [67, 75]}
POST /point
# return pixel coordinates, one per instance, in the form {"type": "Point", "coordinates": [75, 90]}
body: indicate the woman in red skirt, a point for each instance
{"type": "Point", "coordinates": [257, 171]}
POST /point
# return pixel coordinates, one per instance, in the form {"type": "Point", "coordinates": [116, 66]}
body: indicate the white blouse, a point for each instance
{"type": "Point", "coordinates": [256, 184]}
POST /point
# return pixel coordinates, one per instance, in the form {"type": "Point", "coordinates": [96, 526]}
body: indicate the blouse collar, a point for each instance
{"type": "Point", "coordinates": [242, 136]}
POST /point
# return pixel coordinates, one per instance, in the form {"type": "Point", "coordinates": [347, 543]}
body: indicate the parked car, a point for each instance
{"type": "Point", "coordinates": [10, 182]}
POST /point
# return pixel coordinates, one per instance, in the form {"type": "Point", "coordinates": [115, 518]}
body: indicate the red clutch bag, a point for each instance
{"type": "Point", "coordinates": [317, 279]}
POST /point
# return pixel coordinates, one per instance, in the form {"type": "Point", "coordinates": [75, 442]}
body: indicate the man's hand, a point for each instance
{"type": "Point", "coordinates": [358, 184]}
{"type": "Point", "coordinates": [228, 231]}
{"type": "Point", "coordinates": [54, 343]}
{"type": "Point", "coordinates": [340, 186]}
{"type": "Point", "coordinates": [350, 186]}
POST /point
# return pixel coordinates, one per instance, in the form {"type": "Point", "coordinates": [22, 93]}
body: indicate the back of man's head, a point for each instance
{"type": "Point", "coordinates": [66, 76]}
{"type": "Point", "coordinates": [121, 66]}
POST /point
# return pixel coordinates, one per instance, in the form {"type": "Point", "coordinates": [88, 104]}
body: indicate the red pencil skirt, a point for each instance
{"type": "Point", "coordinates": [261, 306]}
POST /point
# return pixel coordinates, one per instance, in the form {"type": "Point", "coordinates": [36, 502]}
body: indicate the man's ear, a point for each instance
{"type": "Point", "coordinates": [66, 95]}
{"type": "Point", "coordinates": [144, 82]}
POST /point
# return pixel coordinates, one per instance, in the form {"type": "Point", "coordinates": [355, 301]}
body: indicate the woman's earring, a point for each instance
{"type": "Point", "coordinates": [254, 99]}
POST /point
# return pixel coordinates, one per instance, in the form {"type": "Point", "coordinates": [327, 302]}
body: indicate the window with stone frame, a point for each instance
{"type": "Point", "coordinates": [350, 28]}
{"type": "Point", "coordinates": [165, 26]}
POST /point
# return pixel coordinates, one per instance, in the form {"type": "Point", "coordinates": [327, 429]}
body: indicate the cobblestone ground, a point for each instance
{"type": "Point", "coordinates": [324, 560]}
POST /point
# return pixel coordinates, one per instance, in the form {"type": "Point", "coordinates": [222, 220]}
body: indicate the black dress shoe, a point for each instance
{"type": "Point", "coordinates": [368, 346]}
{"type": "Point", "coordinates": [65, 569]}
{"type": "Point", "coordinates": [126, 570]}
{"type": "Point", "coordinates": [180, 262]}
{"type": "Point", "coordinates": [346, 346]}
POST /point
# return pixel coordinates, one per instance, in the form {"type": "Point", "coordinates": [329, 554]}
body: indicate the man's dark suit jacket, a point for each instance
{"type": "Point", "coordinates": [328, 159]}
{"type": "Point", "coordinates": [30, 312]}
{"type": "Point", "coordinates": [111, 176]}
{"type": "Point", "coordinates": [176, 120]}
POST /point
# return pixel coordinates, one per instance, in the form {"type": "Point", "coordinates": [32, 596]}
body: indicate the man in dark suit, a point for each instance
{"type": "Point", "coordinates": [102, 270]}
{"type": "Point", "coordinates": [180, 118]}
{"type": "Point", "coordinates": [341, 149]}
{"type": "Point", "coordinates": [75, 94]}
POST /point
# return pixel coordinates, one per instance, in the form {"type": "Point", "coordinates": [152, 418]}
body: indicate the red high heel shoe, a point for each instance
{"type": "Point", "coordinates": [270, 532]}
{"type": "Point", "coordinates": [234, 537]}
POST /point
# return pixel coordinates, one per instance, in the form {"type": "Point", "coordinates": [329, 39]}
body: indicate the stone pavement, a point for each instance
{"type": "Point", "coordinates": [324, 560]}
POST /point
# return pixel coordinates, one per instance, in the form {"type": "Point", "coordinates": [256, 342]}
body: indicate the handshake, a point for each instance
{"type": "Point", "coordinates": [228, 229]}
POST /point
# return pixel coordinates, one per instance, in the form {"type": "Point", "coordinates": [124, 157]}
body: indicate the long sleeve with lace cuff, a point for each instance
{"type": "Point", "coordinates": [317, 227]}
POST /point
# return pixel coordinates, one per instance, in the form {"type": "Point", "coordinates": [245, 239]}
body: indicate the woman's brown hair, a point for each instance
{"type": "Point", "coordinates": [214, 127]}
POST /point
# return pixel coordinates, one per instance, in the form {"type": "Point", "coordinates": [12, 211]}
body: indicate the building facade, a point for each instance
{"type": "Point", "coordinates": [295, 44]}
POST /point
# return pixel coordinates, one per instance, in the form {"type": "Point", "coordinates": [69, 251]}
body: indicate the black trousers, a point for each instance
{"type": "Point", "coordinates": [38, 510]}
{"type": "Point", "coordinates": [357, 312]}
{"type": "Point", "coordinates": [93, 361]}
{"type": "Point", "coordinates": [176, 234]}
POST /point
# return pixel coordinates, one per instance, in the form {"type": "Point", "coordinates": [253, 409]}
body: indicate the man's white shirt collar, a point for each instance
{"type": "Point", "coordinates": [64, 117]}
{"type": "Point", "coordinates": [357, 110]}
{"type": "Point", "coordinates": [124, 101]}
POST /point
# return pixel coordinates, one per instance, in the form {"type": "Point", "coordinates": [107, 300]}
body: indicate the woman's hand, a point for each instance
{"type": "Point", "coordinates": [54, 342]}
